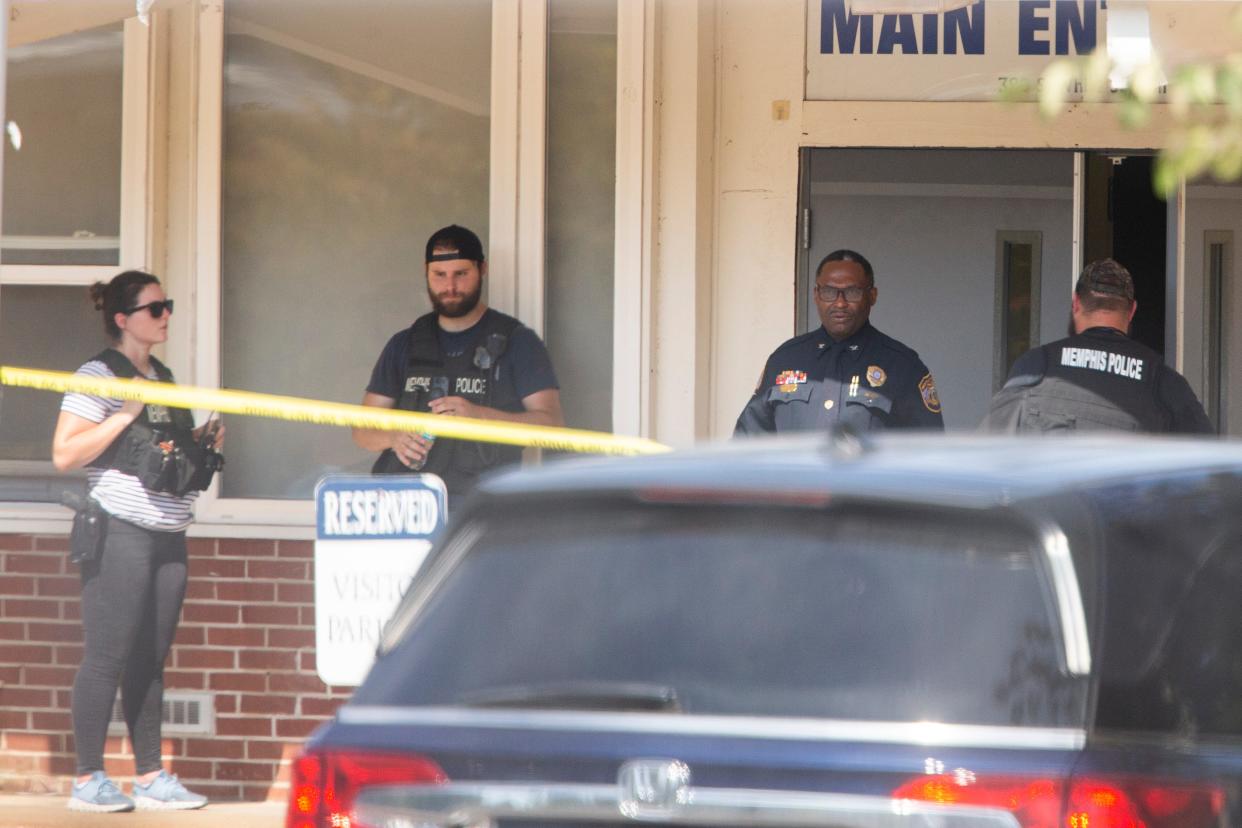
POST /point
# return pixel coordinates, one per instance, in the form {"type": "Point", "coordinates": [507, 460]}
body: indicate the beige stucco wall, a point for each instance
{"type": "Point", "coordinates": [757, 188]}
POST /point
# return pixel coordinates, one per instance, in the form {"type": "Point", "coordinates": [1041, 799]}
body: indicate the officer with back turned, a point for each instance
{"type": "Point", "coordinates": [1098, 379]}
{"type": "Point", "coordinates": [845, 371]}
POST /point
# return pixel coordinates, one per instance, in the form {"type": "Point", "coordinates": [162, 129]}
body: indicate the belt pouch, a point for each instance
{"type": "Point", "coordinates": [86, 538]}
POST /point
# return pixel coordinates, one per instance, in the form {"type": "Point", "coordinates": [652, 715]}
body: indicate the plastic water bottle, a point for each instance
{"type": "Point", "coordinates": [439, 388]}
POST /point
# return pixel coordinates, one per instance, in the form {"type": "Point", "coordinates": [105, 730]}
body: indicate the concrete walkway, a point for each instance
{"type": "Point", "coordinates": [46, 811]}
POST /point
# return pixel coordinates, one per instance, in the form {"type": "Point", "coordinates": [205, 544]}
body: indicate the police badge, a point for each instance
{"type": "Point", "coordinates": [876, 376]}
{"type": "Point", "coordinates": [931, 399]}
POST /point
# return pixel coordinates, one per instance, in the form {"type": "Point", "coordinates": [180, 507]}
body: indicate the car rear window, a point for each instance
{"type": "Point", "coordinates": [1171, 650]}
{"type": "Point", "coordinates": [843, 614]}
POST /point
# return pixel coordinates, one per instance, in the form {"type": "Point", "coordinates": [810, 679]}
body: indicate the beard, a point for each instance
{"type": "Point", "coordinates": [456, 308]}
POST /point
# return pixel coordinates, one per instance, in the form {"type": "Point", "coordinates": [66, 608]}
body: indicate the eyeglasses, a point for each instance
{"type": "Point", "coordinates": [829, 294]}
{"type": "Point", "coordinates": [156, 309]}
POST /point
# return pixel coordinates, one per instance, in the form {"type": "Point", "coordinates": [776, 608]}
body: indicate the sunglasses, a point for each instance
{"type": "Point", "coordinates": [156, 309]}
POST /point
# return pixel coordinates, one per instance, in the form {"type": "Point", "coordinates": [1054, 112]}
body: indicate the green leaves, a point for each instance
{"type": "Point", "coordinates": [1204, 102]}
{"type": "Point", "coordinates": [1055, 86]}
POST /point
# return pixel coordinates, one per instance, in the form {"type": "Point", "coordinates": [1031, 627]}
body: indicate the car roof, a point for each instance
{"type": "Point", "coordinates": [960, 470]}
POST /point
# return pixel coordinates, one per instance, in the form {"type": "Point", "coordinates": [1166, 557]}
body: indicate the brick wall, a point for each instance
{"type": "Point", "coordinates": [247, 636]}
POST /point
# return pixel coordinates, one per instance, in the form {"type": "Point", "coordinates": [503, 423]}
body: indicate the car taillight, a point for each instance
{"type": "Point", "coordinates": [326, 783]}
{"type": "Point", "coordinates": [1079, 803]}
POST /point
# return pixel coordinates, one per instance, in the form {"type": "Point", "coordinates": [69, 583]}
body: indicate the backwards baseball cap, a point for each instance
{"type": "Point", "coordinates": [454, 242]}
{"type": "Point", "coordinates": [1106, 277]}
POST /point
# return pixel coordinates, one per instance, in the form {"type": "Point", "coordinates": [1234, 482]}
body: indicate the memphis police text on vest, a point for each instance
{"type": "Point", "coordinates": [1045, 27]}
{"type": "Point", "coordinates": [1120, 364]}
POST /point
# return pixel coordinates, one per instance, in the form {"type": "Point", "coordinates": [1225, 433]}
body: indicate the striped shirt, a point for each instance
{"type": "Point", "coordinates": [120, 494]}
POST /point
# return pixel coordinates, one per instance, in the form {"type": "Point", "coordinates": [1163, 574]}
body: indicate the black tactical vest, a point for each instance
{"type": "Point", "coordinates": [477, 375]}
{"type": "Point", "coordinates": [1098, 380]}
{"type": "Point", "coordinates": [158, 447]}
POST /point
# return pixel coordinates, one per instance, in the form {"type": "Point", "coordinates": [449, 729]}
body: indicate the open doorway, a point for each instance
{"type": "Point", "coordinates": [972, 251]}
{"type": "Point", "coordinates": [1124, 220]}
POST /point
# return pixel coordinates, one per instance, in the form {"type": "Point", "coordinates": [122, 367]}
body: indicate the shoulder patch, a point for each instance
{"type": "Point", "coordinates": [927, 389]}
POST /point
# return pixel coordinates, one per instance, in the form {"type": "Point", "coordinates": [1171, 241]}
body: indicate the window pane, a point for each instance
{"type": "Point", "coordinates": [581, 195]}
{"type": "Point", "coordinates": [53, 328]}
{"type": "Point", "coordinates": [1217, 275]}
{"type": "Point", "coordinates": [352, 131]}
{"type": "Point", "coordinates": [62, 189]}
{"type": "Point", "coordinates": [1017, 291]}
{"type": "Point", "coordinates": [745, 626]}
{"type": "Point", "coordinates": [1169, 654]}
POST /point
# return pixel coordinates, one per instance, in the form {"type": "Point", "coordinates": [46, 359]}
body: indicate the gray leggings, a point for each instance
{"type": "Point", "coordinates": [131, 602]}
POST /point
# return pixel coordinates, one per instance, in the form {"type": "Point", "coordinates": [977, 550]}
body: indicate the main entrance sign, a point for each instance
{"type": "Point", "coordinates": [965, 54]}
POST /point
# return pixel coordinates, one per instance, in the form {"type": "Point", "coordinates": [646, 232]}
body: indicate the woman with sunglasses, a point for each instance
{"type": "Point", "coordinates": [133, 590]}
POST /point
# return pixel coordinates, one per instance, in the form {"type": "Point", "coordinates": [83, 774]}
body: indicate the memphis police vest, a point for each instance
{"type": "Point", "coordinates": [158, 447]}
{"type": "Point", "coordinates": [475, 374]}
{"type": "Point", "coordinates": [1096, 381]}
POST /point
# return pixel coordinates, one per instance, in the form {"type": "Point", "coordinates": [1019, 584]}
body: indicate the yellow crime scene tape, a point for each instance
{"type": "Point", "coordinates": [302, 410]}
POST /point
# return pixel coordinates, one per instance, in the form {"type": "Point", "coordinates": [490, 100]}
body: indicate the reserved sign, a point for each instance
{"type": "Point", "coordinates": [373, 534]}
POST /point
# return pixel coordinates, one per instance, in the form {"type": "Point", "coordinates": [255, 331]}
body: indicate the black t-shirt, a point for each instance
{"type": "Point", "coordinates": [526, 356]}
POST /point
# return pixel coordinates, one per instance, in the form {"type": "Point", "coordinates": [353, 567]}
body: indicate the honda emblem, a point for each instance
{"type": "Point", "coordinates": [653, 788]}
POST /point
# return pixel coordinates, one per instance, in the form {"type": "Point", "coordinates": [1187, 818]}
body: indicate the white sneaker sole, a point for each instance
{"type": "Point", "coordinates": [146, 803]}
{"type": "Point", "coordinates": [76, 804]}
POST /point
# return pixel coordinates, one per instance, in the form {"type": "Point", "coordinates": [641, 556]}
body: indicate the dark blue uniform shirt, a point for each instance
{"type": "Point", "coordinates": [869, 381]}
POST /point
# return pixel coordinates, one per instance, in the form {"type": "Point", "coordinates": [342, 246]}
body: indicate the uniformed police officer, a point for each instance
{"type": "Point", "coordinates": [463, 359]}
{"type": "Point", "coordinates": [845, 371]}
{"type": "Point", "coordinates": [1099, 378]}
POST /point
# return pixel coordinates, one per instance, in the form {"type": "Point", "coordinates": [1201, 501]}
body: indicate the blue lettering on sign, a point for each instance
{"type": "Point", "coordinates": [968, 23]}
{"type": "Point", "coordinates": [931, 40]}
{"type": "Point", "coordinates": [1082, 20]}
{"type": "Point", "coordinates": [849, 34]}
{"type": "Point", "coordinates": [837, 24]}
{"type": "Point", "coordinates": [1075, 20]}
{"type": "Point", "coordinates": [897, 30]}
{"type": "Point", "coordinates": [1045, 27]}
{"type": "Point", "coordinates": [1029, 24]}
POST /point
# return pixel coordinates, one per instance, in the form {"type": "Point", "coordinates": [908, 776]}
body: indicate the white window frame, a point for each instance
{"type": "Point", "coordinates": [632, 404]}
{"type": "Point", "coordinates": [516, 233]}
{"type": "Point", "coordinates": [1218, 291]}
{"type": "Point", "coordinates": [1000, 328]}
{"type": "Point", "coordinates": [136, 216]}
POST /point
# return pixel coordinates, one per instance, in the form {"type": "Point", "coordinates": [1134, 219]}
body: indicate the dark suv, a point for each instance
{"type": "Point", "coordinates": [906, 632]}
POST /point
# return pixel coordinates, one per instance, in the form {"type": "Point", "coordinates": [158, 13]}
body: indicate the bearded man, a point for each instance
{"type": "Point", "coordinates": [462, 359]}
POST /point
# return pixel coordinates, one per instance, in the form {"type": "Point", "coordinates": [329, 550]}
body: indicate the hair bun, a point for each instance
{"type": "Point", "coordinates": [97, 294]}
